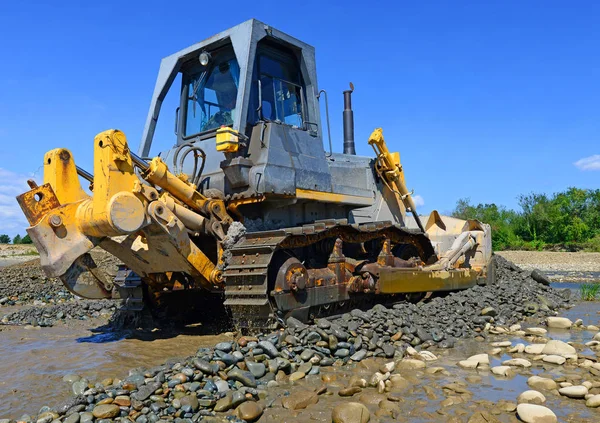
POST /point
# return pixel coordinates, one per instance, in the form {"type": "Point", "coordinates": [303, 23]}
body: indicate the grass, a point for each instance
{"type": "Point", "coordinates": [589, 291]}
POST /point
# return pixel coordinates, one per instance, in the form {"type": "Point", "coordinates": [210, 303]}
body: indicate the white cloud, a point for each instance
{"type": "Point", "coordinates": [419, 202]}
{"type": "Point", "coordinates": [589, 163]}
{"type": "Point", "coordinates": [12, 219]}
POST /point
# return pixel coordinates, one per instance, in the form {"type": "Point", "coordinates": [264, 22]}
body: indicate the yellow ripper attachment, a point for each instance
{"type": "Point", "coordinates": [145, 228]}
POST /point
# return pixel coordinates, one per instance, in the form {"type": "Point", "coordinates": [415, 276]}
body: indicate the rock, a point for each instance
{"type": "Point", "coordinates": [146, 390]}
{"type": "Point", "coordinates": [410, 363]}
{"type": "Point", "coordinates": [531, 397]}
{"type": "Point", "coordinates": [106, 411]}
{"type": "Point", "coordinates": [559, 322]}
{"type": "Point", "coordinates": [517, 362]}
{"type": "Point", "coordinates": [299, 400]}
{"type": "Point", "coordinates": [538, 382]}
{"type": "Point", "coordinates": [536, 331]}
{"type": "Point", "coordinates": [191, 401]}
{"type": "Point", "coordinates": [489, 311]}
{"type": "Point", "coordinates": [206, 367]}
{"type": "Point", "coordinates": [258, 370]}
{"type": "Point", "coordinates": [535, 349]}
{"type": "Point", "coordinates": [249, 411]}
{"type": "Point", "coordinates": [73, 418]}
{"type": "Point", "coordinates": [480, 358]}
{"type": "Point", "coordinates": [224, 403]}
{"type": "Point", "coordinates": [269, 348]}
{"type": "Point", "coordinates": [387, 367]}
{"type": "Point", "coordinates": [71, 378]}
{"type": "Point", "coordinates": [427, 356]}
{"type": "Point", "coordinates": [501, 344]}
{"type": "Point", "coordinates": [593, 401]}
{"type": "Point", "coordinates": [243, 376]}
{"type": "Point", "coordinates": [348, 392]}
{"type": "Point", "coordinates": [578, 391]}
{"type": "Point", "coordinates": [350, 412]}
{"type": "Point", "coordinates": [504, 371]}
{"type": "Point", "coordinates": [468, 364]}
{"type": "Point", "coordinates": [79, 387]}
{"type": "Point", "coordinates": [122, 401]}
{"type": "Point", "coordinates": [531, 413]}
{"type": "Point", "coordinates": [554, 359]}
{"type": "Point", "coordinates": [358, 355]}
{"type": "Point", "coordinates": [556, 347]}
{"type": "Point", "coordinates": [297, 376]}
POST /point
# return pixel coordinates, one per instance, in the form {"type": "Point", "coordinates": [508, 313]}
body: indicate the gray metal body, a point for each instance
{"type": "Point", "coordinates": [300, 181]}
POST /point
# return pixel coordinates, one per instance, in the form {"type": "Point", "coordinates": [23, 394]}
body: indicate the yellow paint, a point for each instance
{"type": "Point", "coordinates": [114, 209]}
{"type": "Point", "coordinates": [399, 280]}
{"type": "Point", "coordinates": [227, 140]}
{"type": "Point", "coordinates": [60, 172]}
{"type": "Point", "coordinates": [328, 197]}
{"type": "Point", "coordinates": [389, 168]}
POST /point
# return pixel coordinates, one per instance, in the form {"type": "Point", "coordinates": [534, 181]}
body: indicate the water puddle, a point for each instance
{"type": "Point", "coordinates": [35, 360]}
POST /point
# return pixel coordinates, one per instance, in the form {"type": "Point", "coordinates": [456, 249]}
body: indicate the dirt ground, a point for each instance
{"type": "Point", "coordinates": [554, 261]}
{"type": "Point", "coordinates": [12, 254]}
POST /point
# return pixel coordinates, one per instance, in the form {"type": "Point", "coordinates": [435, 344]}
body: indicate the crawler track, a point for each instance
{"type": "Point", "coordinates": [258, 291]}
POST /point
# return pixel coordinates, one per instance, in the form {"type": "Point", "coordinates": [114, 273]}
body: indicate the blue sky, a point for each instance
{"type": "Point", "coordinates": [485, 100]}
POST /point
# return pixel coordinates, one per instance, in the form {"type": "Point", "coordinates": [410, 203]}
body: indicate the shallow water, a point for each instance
{"type": "Point", "coordinates": [35, 360]}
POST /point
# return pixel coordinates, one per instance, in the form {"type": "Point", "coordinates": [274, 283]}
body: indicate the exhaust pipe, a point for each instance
{"type": "Point", "coordinates": [348, 122]}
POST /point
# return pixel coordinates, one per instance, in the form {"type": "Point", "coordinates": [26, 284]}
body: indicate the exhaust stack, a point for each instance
{"type": "Point", "coordinates": [348, 122]}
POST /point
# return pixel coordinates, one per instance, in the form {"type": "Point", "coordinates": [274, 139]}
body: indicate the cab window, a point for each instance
{"type": "Point", "coordinates": [211, 96]}
{"type": "Point", "coordinates": [280, 89]}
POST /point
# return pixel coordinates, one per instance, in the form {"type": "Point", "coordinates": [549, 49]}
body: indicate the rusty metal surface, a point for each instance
{"type": "Point", "coordinates": [85, 279]}
{"type": "Point", "coordinates": [38, 202]}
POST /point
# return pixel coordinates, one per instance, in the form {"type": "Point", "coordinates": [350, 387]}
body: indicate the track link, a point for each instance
{"type": "Point", "coordinates": [249, 293]}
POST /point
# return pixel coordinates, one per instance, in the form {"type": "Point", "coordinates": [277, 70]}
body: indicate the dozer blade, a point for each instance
{"type": "Point", "coordinates": [85, 279]}
{"type": "Point", "coordinates": [401, 280]}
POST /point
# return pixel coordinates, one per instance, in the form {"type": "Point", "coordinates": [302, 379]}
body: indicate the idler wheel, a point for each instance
{"type": "Point", "coordinates": [292, 276]}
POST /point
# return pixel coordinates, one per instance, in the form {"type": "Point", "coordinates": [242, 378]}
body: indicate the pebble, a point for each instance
{"type": "Point", "coordinates": [532, 413]}
{"type": "Point", "coordinates": [106, 411]}
{"type": "Point", "coordinates": [531, 397]}
{"type": "Point", "coordinates": [554, 359]}
{"type": "Point", "coordinates": [249, 411]}
{"type": "Point", "coordinates": [350, 412]}
{"type": "Point", "coordinates": [578, 391]}
{"type": "Point", "coordinates": [505, 371]}
{"type": "Point", "coordinates": [227, 376]}
{"type": "Point", "coordinates": [593, 401]}
{"type": "Point", "coordinates": [518, 362]}
{"type": "Point", "coordinates": [536, 331]}
{"type": "Point", "coordinates": [557, 347]}
{"type": "Point", "coordinates": [559, 322]}
{"type": "Point", "coordinates": [538, 382]}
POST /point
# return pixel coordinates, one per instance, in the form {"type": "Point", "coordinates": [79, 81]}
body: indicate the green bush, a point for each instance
{"type": "Point", "coordinates": [570, 219]}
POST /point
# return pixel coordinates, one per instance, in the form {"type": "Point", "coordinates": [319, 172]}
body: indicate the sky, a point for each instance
{"type": "Point", "coordinates": [484, 99]}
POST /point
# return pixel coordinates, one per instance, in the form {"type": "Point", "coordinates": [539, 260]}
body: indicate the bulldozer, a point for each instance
{"type": "Point", "coordinates": [250, 206]}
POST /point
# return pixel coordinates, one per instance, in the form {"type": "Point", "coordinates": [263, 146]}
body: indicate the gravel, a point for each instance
{"type": "Point", "coordinates": [233, 373]}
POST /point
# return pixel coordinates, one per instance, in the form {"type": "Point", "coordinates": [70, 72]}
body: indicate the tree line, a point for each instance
{"type": "Point", "coordinates": [18, 239]}
{"type": "Point", "coordinates": [565, 220]}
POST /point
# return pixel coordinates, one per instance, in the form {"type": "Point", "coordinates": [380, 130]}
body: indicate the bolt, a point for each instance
{"type": "Point", "coordinates": [55, 220]}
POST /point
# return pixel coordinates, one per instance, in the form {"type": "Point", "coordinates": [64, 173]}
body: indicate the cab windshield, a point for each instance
{"type": "Point", "coordinates": [211, 96]}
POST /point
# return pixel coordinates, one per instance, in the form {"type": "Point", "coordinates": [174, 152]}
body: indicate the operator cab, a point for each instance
{"type": "Point", "coordinates": [249, 112]}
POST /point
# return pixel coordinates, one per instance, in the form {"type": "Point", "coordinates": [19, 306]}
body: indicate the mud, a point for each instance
{"type": "Point", "coordinates": [34, 360]}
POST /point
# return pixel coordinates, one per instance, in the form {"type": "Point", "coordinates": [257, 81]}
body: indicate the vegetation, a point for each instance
{"type": "Point", "coordinates": [567, 220]}
{"type": "Point", "coordinates": [5, 239]}
{"type": "Point", "coordinates": [589, 291]}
